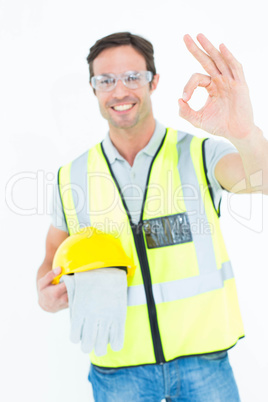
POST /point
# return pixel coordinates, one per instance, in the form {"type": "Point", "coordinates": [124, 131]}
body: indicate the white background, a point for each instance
{"type": "Point", "coordinates": [49, 116]}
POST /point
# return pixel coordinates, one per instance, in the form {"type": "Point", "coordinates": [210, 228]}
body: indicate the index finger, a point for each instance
{"type": "Point", "coordinates": [215, 55]}
{"type": "Point", "coordinates": [204, 59]}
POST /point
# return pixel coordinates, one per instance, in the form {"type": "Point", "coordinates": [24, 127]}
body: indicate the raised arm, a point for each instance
{"type": "Point", "coordinates": [51, 298]}
{"type": "Point", "coordinates": [227, 113]}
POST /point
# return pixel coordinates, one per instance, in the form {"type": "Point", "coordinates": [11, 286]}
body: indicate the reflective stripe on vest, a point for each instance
{"type": "Point", "coordinates": [183, 288]}
{"type": "Point", "coordinates": [193, 307]}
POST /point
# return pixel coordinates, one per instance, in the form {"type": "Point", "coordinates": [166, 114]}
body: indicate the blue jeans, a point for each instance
{"type": "Point", "coordinates": [206, 378]}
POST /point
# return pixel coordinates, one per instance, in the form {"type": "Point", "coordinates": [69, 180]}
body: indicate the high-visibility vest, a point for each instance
{"type": "Point", "coordinates": [182, 300]}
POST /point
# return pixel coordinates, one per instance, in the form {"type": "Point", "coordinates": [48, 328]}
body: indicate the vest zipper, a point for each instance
{"type": "Point", "coordinates": [142, 255]}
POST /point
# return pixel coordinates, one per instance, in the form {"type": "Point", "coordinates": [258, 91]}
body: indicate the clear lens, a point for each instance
{"type": "Point", "coordinates": [134, 79]}
{"type": "Point", "coordinates": [131, 79]}
{"type": "Point", "coordinates": [104, 82]}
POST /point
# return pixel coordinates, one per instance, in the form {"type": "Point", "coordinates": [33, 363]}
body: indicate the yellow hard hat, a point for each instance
{"type": "Point", "coordinates": [90, 249]}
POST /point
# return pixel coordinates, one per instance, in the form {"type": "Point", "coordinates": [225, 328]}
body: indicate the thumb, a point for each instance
{"type": "Point", "coordinates": [48, 278]}
{"type": "Point", "coordinates": [188, 113]}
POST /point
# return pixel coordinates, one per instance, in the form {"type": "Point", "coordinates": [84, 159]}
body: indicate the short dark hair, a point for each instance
{"type": "Point", "coordinates": [140, 44]}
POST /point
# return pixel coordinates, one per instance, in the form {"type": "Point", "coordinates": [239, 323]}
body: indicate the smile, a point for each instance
{"type": "Point", "coordinates": [122, 108]}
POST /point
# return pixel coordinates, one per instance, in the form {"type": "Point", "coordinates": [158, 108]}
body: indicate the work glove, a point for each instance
{"type": "Point", "coordinates": [98, 307]}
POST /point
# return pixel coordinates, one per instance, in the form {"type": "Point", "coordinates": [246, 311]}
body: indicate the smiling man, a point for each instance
{"type": "Point", "coordinates": [156, 189]}
{"type": "Point", "coordinates": [127, 105]}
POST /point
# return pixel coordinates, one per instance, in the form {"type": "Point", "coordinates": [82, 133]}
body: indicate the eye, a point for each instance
{"type": "Point", "coordinates": [106, 81]}
{"type": "Point", "coordinates": [133, 77]}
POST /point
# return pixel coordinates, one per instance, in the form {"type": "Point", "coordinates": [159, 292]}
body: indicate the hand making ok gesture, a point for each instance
{"type": "Point", "coordinates": [228, 111]}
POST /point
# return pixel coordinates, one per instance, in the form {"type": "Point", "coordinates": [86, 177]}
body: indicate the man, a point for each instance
{"type": "Point", "coordinates": [155, 189]}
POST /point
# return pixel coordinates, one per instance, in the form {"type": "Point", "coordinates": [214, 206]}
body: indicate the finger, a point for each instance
{"type": "Point", "coordinates": [64, 299]}
{"type": "Point", "coordinates": [102, 339]}
{"type": "Point", "coordinates": [76, 330]}
{"type": "Point", "coordinates": [196, 80]}
{"type": "Point", "coordinates": [204, 59]}
{"type": "Point", "coordinates": [235, 66]}
{"type": "Point", "coordinates": [68, 281]}
{"type": "Point", "coordinates": [48, 278]}
{"type": "Point", "coordinates": [88, 336]}
{"type": "Point", "coordinates": [189, 114]}
{"type": "Point", "coordinates": [215, 55]}
{"type": "Point", "coordinates": [58, 290]}
{"type": "Point", "coordinates": [117, 334]}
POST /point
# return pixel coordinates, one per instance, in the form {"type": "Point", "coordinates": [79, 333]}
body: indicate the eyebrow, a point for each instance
{"type": "Point", "coordinates": [124, 72]}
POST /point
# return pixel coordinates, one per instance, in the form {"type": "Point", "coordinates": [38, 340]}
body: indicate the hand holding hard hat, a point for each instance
{"type": "Point", "coordinates": [90, 249]}
{"type": "Point", "coordinates": [97, 291]}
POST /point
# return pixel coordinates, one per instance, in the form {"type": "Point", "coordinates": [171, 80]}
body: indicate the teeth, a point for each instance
{"type": "Point", "coordinates": [123, 107]}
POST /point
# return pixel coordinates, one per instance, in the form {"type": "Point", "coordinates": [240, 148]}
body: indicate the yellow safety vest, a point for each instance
{"type": "Point", "coordinates": [182, 300]}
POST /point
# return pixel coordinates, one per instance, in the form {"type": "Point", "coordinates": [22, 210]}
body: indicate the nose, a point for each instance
{"type": "Point", "coordinates": [120, 90]}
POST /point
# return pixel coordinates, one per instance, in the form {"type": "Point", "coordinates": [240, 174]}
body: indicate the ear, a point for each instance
{"type": "Point", "coordinates": [154, 83]}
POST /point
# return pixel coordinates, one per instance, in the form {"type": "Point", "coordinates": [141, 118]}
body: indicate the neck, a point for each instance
{"type": "Point", "coordinates": [130, 141]}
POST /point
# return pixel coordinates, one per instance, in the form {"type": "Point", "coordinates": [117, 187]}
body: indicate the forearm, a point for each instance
{"type": "Point", "coordinates": [253, 150]}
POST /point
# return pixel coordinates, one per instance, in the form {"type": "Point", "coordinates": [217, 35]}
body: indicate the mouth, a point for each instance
{"type": "Point", "coordinates": [123, 108]}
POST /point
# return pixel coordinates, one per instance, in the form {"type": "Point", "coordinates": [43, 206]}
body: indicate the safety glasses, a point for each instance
{"type": "Point", "coordinates": [131, 79]}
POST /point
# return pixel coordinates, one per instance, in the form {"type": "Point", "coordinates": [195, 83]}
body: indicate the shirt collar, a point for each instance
{"type": "Point", "coordinates": [150, 149]}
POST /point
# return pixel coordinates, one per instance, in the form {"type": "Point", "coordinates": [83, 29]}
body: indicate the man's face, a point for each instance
{"type": "Point", "coordinates": [137, 102]}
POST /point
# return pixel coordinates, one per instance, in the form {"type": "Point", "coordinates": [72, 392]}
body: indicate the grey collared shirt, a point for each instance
{"type": "Point", "coordinates": [132, 179]}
